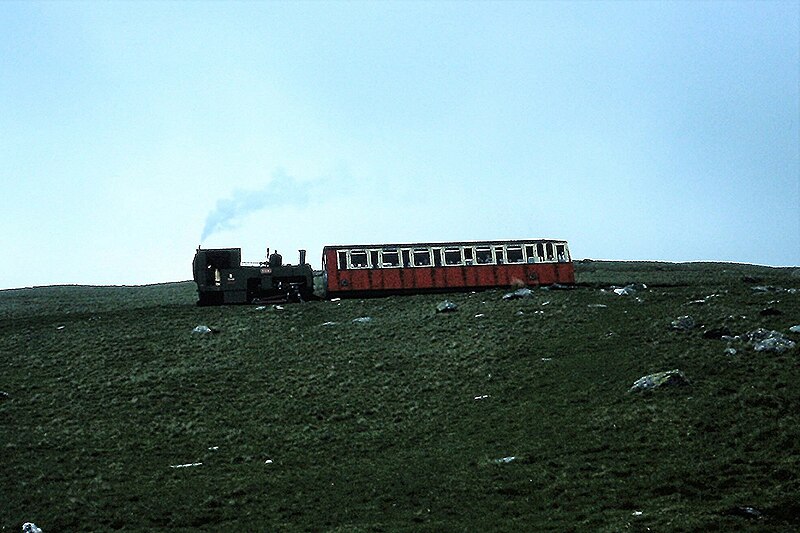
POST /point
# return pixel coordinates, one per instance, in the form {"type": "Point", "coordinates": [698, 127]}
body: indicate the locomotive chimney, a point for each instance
{"type": "Point", "coordinates": [302, 257]}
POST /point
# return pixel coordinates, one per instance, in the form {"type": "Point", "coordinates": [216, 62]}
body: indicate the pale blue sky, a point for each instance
{"type": "Point", "coordinates": [641, 130]}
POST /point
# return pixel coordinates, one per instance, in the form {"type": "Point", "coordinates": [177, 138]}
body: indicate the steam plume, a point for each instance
{"type": "Point", "coordinates": [283, 190]}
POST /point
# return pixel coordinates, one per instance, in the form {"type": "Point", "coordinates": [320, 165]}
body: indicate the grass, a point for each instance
{"type": "Point", "coordinates": [374, 426]}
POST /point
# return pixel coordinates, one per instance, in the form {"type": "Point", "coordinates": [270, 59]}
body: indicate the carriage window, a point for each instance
{"type": "Point", "coordinates": [373, 257]}
{"type": "Point", "coordinates": [437, 257]}
{"type": "Point", "coordinates": [514, 254]}
{"type": "Point", "coordinates": [561, 252]}
{"type": "Point", "coordinates": [342, 260]}
{"type": "Point", "coordinates": [550, 251]}
{"type": "Point", "coordinates": [540, 251]}
{"type": "Point", "coordinates": [452, 256]}
{"type": "Point", "coordinates": [422, 257]}
{"type": "Point", "coordinates": [406, 258]}
{"type": "Point", "coordinates": [468, 256]}
{"type": "Point", "coordinates": [498, 255]}
{"type": "Point", "coordinates": [358, 258]}
{"type": "Point", "coordinates": [390, 258]}
{"type": "Point", "coordinates": [530, 253]}
{"type": "Point", "coordinates": [483, 255]}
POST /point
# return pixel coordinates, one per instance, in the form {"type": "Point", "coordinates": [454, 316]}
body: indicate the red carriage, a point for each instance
{"type": "Point", "coordinates": [442, 267]}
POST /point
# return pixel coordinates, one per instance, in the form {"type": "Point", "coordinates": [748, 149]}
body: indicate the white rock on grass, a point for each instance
{"type": "Point", "coordinates": [764, 340]}
{"type": "Point", "coordinates": [446, 307]}
{"type": "Point", "coordinates": [658, 380]}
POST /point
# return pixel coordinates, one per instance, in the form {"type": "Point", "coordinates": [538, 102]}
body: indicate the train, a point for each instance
{"type": "Point", "coordinates": [381, 270]}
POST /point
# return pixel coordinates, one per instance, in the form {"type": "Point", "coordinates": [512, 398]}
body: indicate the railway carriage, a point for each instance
{"type": "Point", "coordinates": [358, 270]}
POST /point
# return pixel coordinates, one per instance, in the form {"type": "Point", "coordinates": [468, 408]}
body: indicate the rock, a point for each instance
{"type": "Point", "coordinates": [730, 351]}
{"type": "Point", "coordinates": [362, 320]}
{"type": "Point", "coordinates": [764, 288]}
{"type": "Point", "coordinates": [446, 307]}
{"type": "Point", "coordinates": [795, 329]}
{"type": "Point", "coordinates": [764, 340]}
{"type": "Point", "coordinates": [4, 395]}
{"type": "Point", "coordinates": [523, 292]}
{"type": "Point", "coordinates": [746, 512]}
{"type": "Point", "coordinates": [658, 380]}
{"type": "Point", "coordinates": [627, 290]}
{"type": "Point", "coordinates": [756, 335]}
{"type": "Point", "coordinates": [30, 527]}
{"type": "Point", "coordinates": [683, 323]}
{"type": "Point", "coordinates": [203, 330]}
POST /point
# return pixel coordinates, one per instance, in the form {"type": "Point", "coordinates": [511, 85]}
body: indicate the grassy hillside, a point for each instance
{"type": "Point", "coordinates": [501, 416]}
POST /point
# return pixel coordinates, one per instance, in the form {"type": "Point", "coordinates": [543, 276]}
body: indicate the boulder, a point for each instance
{"type": "Point", "coordinates": [628, 289]}
{"type": "Point", "coordinates": [683, 323]}
{"type": "Point", "coordinates": [745, 512]}
{"type": "Point", "coordinates": [446, 307]}
{"type": "Point", "coordinates": [659, 379]}
{"type": "Point", "coordinates": [764, 340]}
{"type": "Point", "coordinates": [624, 291]}
{"type": "Point", "coordinates": [523, 292]}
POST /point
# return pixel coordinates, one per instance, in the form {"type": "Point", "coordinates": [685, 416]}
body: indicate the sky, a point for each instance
{"type": "Point", "coordinates": [133, 132]}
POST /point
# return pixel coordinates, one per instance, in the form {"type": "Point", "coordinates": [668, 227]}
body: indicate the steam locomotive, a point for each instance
{"type": "Point", "coordinates": [377, 270]}
{"type": "Point", "coordinates": [222, 278]}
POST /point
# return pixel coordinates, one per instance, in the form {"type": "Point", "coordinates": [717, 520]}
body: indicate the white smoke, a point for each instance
{"type": "Point", "coordinates": [282, 190]}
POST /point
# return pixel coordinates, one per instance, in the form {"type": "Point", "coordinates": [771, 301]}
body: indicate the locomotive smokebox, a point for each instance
{"type": "Point", "coordinates": [302, 257]}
